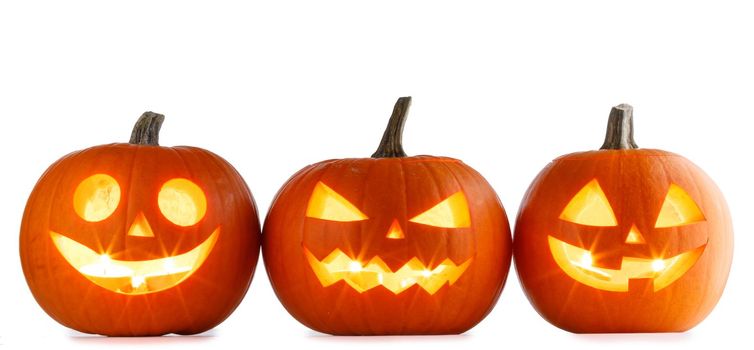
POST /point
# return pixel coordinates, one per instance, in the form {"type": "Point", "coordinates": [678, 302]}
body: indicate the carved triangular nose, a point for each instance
{"type": "Point", "coordinates": [395, 231]}
{"type": "Point", "coordinates": [140, 227]}
{"type": "Point", "coordinates": [634, 236]}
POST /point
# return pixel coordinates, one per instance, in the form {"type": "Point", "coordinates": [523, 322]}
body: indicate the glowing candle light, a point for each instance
{"type": "Point", "coordinates": [658, 265]}
{"type": "Point", "coordinates": [354, 267]}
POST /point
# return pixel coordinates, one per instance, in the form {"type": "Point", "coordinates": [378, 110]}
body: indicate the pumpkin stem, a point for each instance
{"type": "Point", "coordinates": [147, 129]}
{"type": "Point", "coordinates": [391, 145]}
{"type": "Point", "coordinates": [620, 128]}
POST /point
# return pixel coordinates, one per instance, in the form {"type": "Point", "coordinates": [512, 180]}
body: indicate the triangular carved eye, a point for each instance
{"type": "Point", "coordinates": [326, 204]}
{"type": "Point", "coordinates": [453, 212]}
{"type": "Point", "coordinates": [678, 209]}
{"type": "Point", "coordinates": [590, 207]}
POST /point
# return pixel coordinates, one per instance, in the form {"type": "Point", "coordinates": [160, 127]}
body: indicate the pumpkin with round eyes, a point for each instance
{"type": "Point", "coordinates": [389, 244]}
{"type": "Point", "coordinates": [137, 239]}
{"type": "Point", "coordinates": [623, 239]}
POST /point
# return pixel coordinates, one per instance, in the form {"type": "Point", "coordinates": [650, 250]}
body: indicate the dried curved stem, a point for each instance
{"type": "Point", "coordinates": [391, 145]}
{"type": "Point", "coordinates": [147, 129]}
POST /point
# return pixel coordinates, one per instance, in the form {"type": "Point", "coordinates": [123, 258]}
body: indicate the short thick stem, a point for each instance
{"type": "Point", "coordinates": [620, 129]}
{"type": "Point", "coordinates": [147, 129]}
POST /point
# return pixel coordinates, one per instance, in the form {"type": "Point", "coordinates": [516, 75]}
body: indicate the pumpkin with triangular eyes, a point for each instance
{"type": "Point", "coordinates": [389, 244]}
{"type": "Point", "coordinates": [138, 239]}
{"type": "Point", "coordinates": [623, 239]}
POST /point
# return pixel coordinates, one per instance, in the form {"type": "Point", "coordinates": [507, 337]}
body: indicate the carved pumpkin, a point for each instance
{"type": "Point", "coordinates": [623, 239]}
{"type": "Point", "coordinates": [136, 239]}
{"type": "Point", "coordinates": [389, 244]}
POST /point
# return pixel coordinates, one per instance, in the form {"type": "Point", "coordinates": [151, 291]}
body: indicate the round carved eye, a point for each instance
{"type": "Point", "coordinates": [182, 202]}
{"type": "Point", "coordinates": [96, 197]}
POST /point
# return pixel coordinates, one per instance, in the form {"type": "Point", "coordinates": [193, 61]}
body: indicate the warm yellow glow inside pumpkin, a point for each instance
{"type": "Point", "coordinates": [678, 209]}
{"type": "Point", "coordinates": [634, 236]}
{"type": "Point", "coordinates": [133, 277]}
{"type": "Point", "coordinates": [326, 204]}
{"type": "Point", "coordinates": [453, 212]}
{"type": "Point", "coordinates": [96, 197]}
{"type": "Point", "coordinates": [577, 263]}
{"type": "Point", "coordinates": [590, 207]}
{"type": "Point", "coordinates": [140, 227]}
{"type": "Point", "coordinates": [338, 266]}
{"type": "Point", "coordinates": [395, 231]}
{"type": "Point", "coordinates": [182, 202]}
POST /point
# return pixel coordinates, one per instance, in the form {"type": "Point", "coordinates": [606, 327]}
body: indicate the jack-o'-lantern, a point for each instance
{"type": "Point", "coordinates": [387, 245]}
{"type": "Point", "coordinates": [135, 239]}
{"type": "Point", "coordinates": [623, 239]}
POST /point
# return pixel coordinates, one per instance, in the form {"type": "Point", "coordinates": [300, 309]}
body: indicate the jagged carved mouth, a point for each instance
{"type": "Point", "coordinates": [577, 263]}
{"type": "Point", "coordinates": [338, 266]}
{"type": "Point", "coordinates": [133, 277]}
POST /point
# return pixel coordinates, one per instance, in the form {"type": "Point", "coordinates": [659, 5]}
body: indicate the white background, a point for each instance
{"type": "Point", "coordinates": [275, 85]}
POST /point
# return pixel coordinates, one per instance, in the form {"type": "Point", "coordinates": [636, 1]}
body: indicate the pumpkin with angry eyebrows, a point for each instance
{"type": "Point", "coordinates": [389, 244]}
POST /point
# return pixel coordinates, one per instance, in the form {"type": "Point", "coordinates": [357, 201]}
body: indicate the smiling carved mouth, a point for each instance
{"type": "Point", "coordinates": [577, 263]}
{"type": "Point", "coordinates": [362, 277]}
{"type": "Point", "coordinates": [133, 277]}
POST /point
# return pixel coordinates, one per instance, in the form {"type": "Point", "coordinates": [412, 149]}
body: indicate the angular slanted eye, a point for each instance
{"type": "Point", "coordinates": [678, 209]}
{"type": "Point", "coordinates": [96, 197]}
{"type": "Point", "coordinates": [453, 212]}
{"type": "Point", "coordinates": [182, 202]}
{"type": "Point", "coordinates": [590, 207]}
{"type": "Point", "coordinates": [326, 204]}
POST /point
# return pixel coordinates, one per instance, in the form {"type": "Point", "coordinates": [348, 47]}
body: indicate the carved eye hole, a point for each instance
{"type": "Point", "coordinates": [326, 204]}
{"type": "Point", "coordinates": [182, 202]}
{"type": "Point", "coordinates": [96, 197]}
{"type": "Point", "coordinates": [590, 207]}
{"type": "Point", "coordinates": [453, 212]}
{"type": "Point", "coordinates": [678, 209]}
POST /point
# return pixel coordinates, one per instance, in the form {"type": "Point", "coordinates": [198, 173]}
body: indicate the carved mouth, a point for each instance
{"type": "Point", "coordinates": [133, 277]}
{"type": "Point", "coordinates": [338, 266]}
{"type": "Point", "coordinates": [577, 263]}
